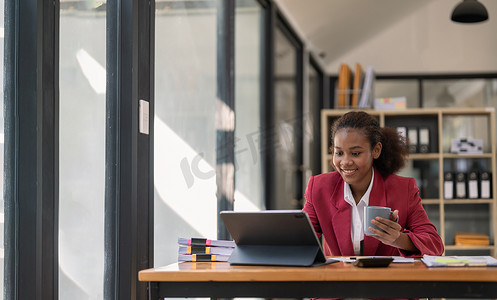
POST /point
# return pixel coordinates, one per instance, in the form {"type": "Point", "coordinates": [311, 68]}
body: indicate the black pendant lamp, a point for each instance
{"type": "Point", "coordinates": [469, 11]}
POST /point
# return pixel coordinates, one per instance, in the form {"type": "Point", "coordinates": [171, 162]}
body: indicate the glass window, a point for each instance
{"type": "Point", "coordinates": [285, 129]}
{"type": "Point", "coordinates": [82, 149]}
{"type": "Point", "coordinates": [459, 92]}
{"type": "Point", "coordinates": [478, 92]}
{"type": "Point", "coordinates": [185, 202]}
{"type": "Point", "coordinates": [248, 101]}
{"type": "Point", "coordinates": [389, 88]}
{"type": "Point", "coordinates": [312, 121]}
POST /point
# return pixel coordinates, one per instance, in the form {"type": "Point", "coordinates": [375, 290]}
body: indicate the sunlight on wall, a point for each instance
{"type": "Point", "coordinates": [93, 71]}
{"type": "Point", "coordinates": [242, 203]}
{"type": "Point", "coordinates": [185, 181]}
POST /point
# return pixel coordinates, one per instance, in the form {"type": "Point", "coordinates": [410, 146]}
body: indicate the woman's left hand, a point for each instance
{"type": "Point", "coordinates": [391, 229]}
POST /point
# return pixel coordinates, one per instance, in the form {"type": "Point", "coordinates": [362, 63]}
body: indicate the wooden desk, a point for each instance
{"type": "Point", "coordinates": [399, 280]}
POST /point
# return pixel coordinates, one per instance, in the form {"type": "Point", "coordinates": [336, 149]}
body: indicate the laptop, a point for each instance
{"type": "Point", "coordinates": [273, 237]}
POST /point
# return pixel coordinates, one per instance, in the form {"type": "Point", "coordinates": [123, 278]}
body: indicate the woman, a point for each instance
{"type": "Point", "coordinates": [365, 157]}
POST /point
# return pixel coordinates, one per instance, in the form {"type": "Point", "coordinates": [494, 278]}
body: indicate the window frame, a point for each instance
{"type": "Point", "coordinates": [278, 21]}
{"type": "Point", "coordinates": [31, 149]}
{"type": "Point", "coordinates": [129, 192]}
{"type": "Point", "coordinates": [32, 139]}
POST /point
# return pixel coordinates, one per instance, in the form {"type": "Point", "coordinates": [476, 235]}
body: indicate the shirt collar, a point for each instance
{"type": "Point", "coordinates": [365, 198]}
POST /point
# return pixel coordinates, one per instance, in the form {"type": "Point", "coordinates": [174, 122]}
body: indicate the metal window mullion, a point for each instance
{"type": "Point", "coordinates": [299, 137]}
{"type": "Point", "coordinates": [31, 149]}
{"type": "Point", "coordinates": [266, 92]}
{"type": "Point", "coordinates": [145, 161]}
{"type": "Point", "coordinates": [129, 184]}
{"type": "Point", "coordinates": [11, 137]}
{"type": "Point", "coordinates": [225, 105]}
{"type": "Point", "coordinates": [268, 82]}
{"type": "Point", "coordinates": [111, 266]}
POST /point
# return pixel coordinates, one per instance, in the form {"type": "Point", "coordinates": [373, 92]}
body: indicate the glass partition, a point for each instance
{"type": "Point", "coordinates": [390, 88]}
{"type": "Point", "coordinates": [82, 149]}
{"type": "Point", "coordinates": [286, 124]}
{"type": "Point", "coordinates": [248, 101]}
{"type": "Point", "coordinates": [460, 92]}
{"type": "Point", "coordinates": [311, 118]}
{"type": "Point", "coordinates": [185, 202]}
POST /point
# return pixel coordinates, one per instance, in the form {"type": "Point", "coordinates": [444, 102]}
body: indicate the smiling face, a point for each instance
{"type": "Point", "coordinates": [353, 158]}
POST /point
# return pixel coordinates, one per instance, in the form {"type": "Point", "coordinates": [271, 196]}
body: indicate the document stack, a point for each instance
{"type": "Point", "coordinates": [459, 261]}
{"type": "Point", "coordinates": [200, 249]}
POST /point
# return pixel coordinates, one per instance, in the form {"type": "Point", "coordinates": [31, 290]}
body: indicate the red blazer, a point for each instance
{"type": "Point", "coordinates": [331, 215]}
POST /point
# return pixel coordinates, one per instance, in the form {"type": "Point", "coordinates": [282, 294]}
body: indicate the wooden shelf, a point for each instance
{"type": "Point", "coordinates": [423, 156]}
{"type": "Point", "coordinates": [430, 201]}
{"type": "Point", "coordinates": [440, 121]}
{"type": "Point", "coordinates": [468, 201]}
{"type": "Point", "coordinates": [476, 247]}
{"type": "Point", "coordinates": [462, 156]}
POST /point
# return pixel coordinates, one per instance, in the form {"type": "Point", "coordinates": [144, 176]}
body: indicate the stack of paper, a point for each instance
{"type": "Point", "coordinates": [200, 249]}
{"type": "Point", "coordinates": [459, 261]}
{"type": "Point", "coordinates": [394, 103]}
{"type": "Point", "coordinates": [471, 239]}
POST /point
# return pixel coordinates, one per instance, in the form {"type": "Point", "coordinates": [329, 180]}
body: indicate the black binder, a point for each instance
{"type": "Point", "coordinates": [273, 237]}
{"type": "Point", "coordinates": [412, 136]}
{"type": "Point", "coordinates": [461, 185]}
{"type": "Point", "coordinates": [449, 186]}
{"type": "Point", "coordinates": [473, 184]}
{"type": "Point", "coordinates": [485, 184]}
{"type": "Point", "coordinates": [424, 140]}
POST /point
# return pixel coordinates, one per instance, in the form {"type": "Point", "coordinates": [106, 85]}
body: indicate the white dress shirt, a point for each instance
{"type": "Point", "coordinates": [357, 218]}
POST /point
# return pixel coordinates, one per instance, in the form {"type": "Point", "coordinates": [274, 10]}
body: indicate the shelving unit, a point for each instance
{"type": "Point", "coordinates": [448, 215]}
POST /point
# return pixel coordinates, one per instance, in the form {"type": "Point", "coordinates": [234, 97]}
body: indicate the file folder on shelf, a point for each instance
{"type": "Point", "coordinates": [367, 93]}
{"type": "Point", "coordinates": [485, 185]}
{"type": "Point", "coordinates": [424, 140]}
{"type": "Point", "coordinates": [473, 185]}
{"type": "Point", "coordinates": [412, 136]}
{"type": "Point", "coordinates": [344, 84]}
{"type": "Point", "coordinates": [273, 237]}
{"type": "Point", "coordinates": [358, 80]}
{"type": "Point", "coordinates": [448, 185]}
{"type": "Point", "coordinates": [461, 185]}
{"type": "Point", "coordinates": [402, 131]}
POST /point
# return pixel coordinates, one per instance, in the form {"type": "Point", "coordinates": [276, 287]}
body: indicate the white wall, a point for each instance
{"type": "Point", "coordinates": [427, 41]}
{"type": "Point", "coordinates": [394, 36]}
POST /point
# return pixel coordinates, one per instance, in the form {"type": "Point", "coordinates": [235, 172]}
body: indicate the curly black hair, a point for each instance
{"type": "Point", "coordinates": [394, 150]}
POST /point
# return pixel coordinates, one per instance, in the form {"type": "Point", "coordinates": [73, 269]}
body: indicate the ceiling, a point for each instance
{"type": "Point", "coordinates": [331, 28]}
